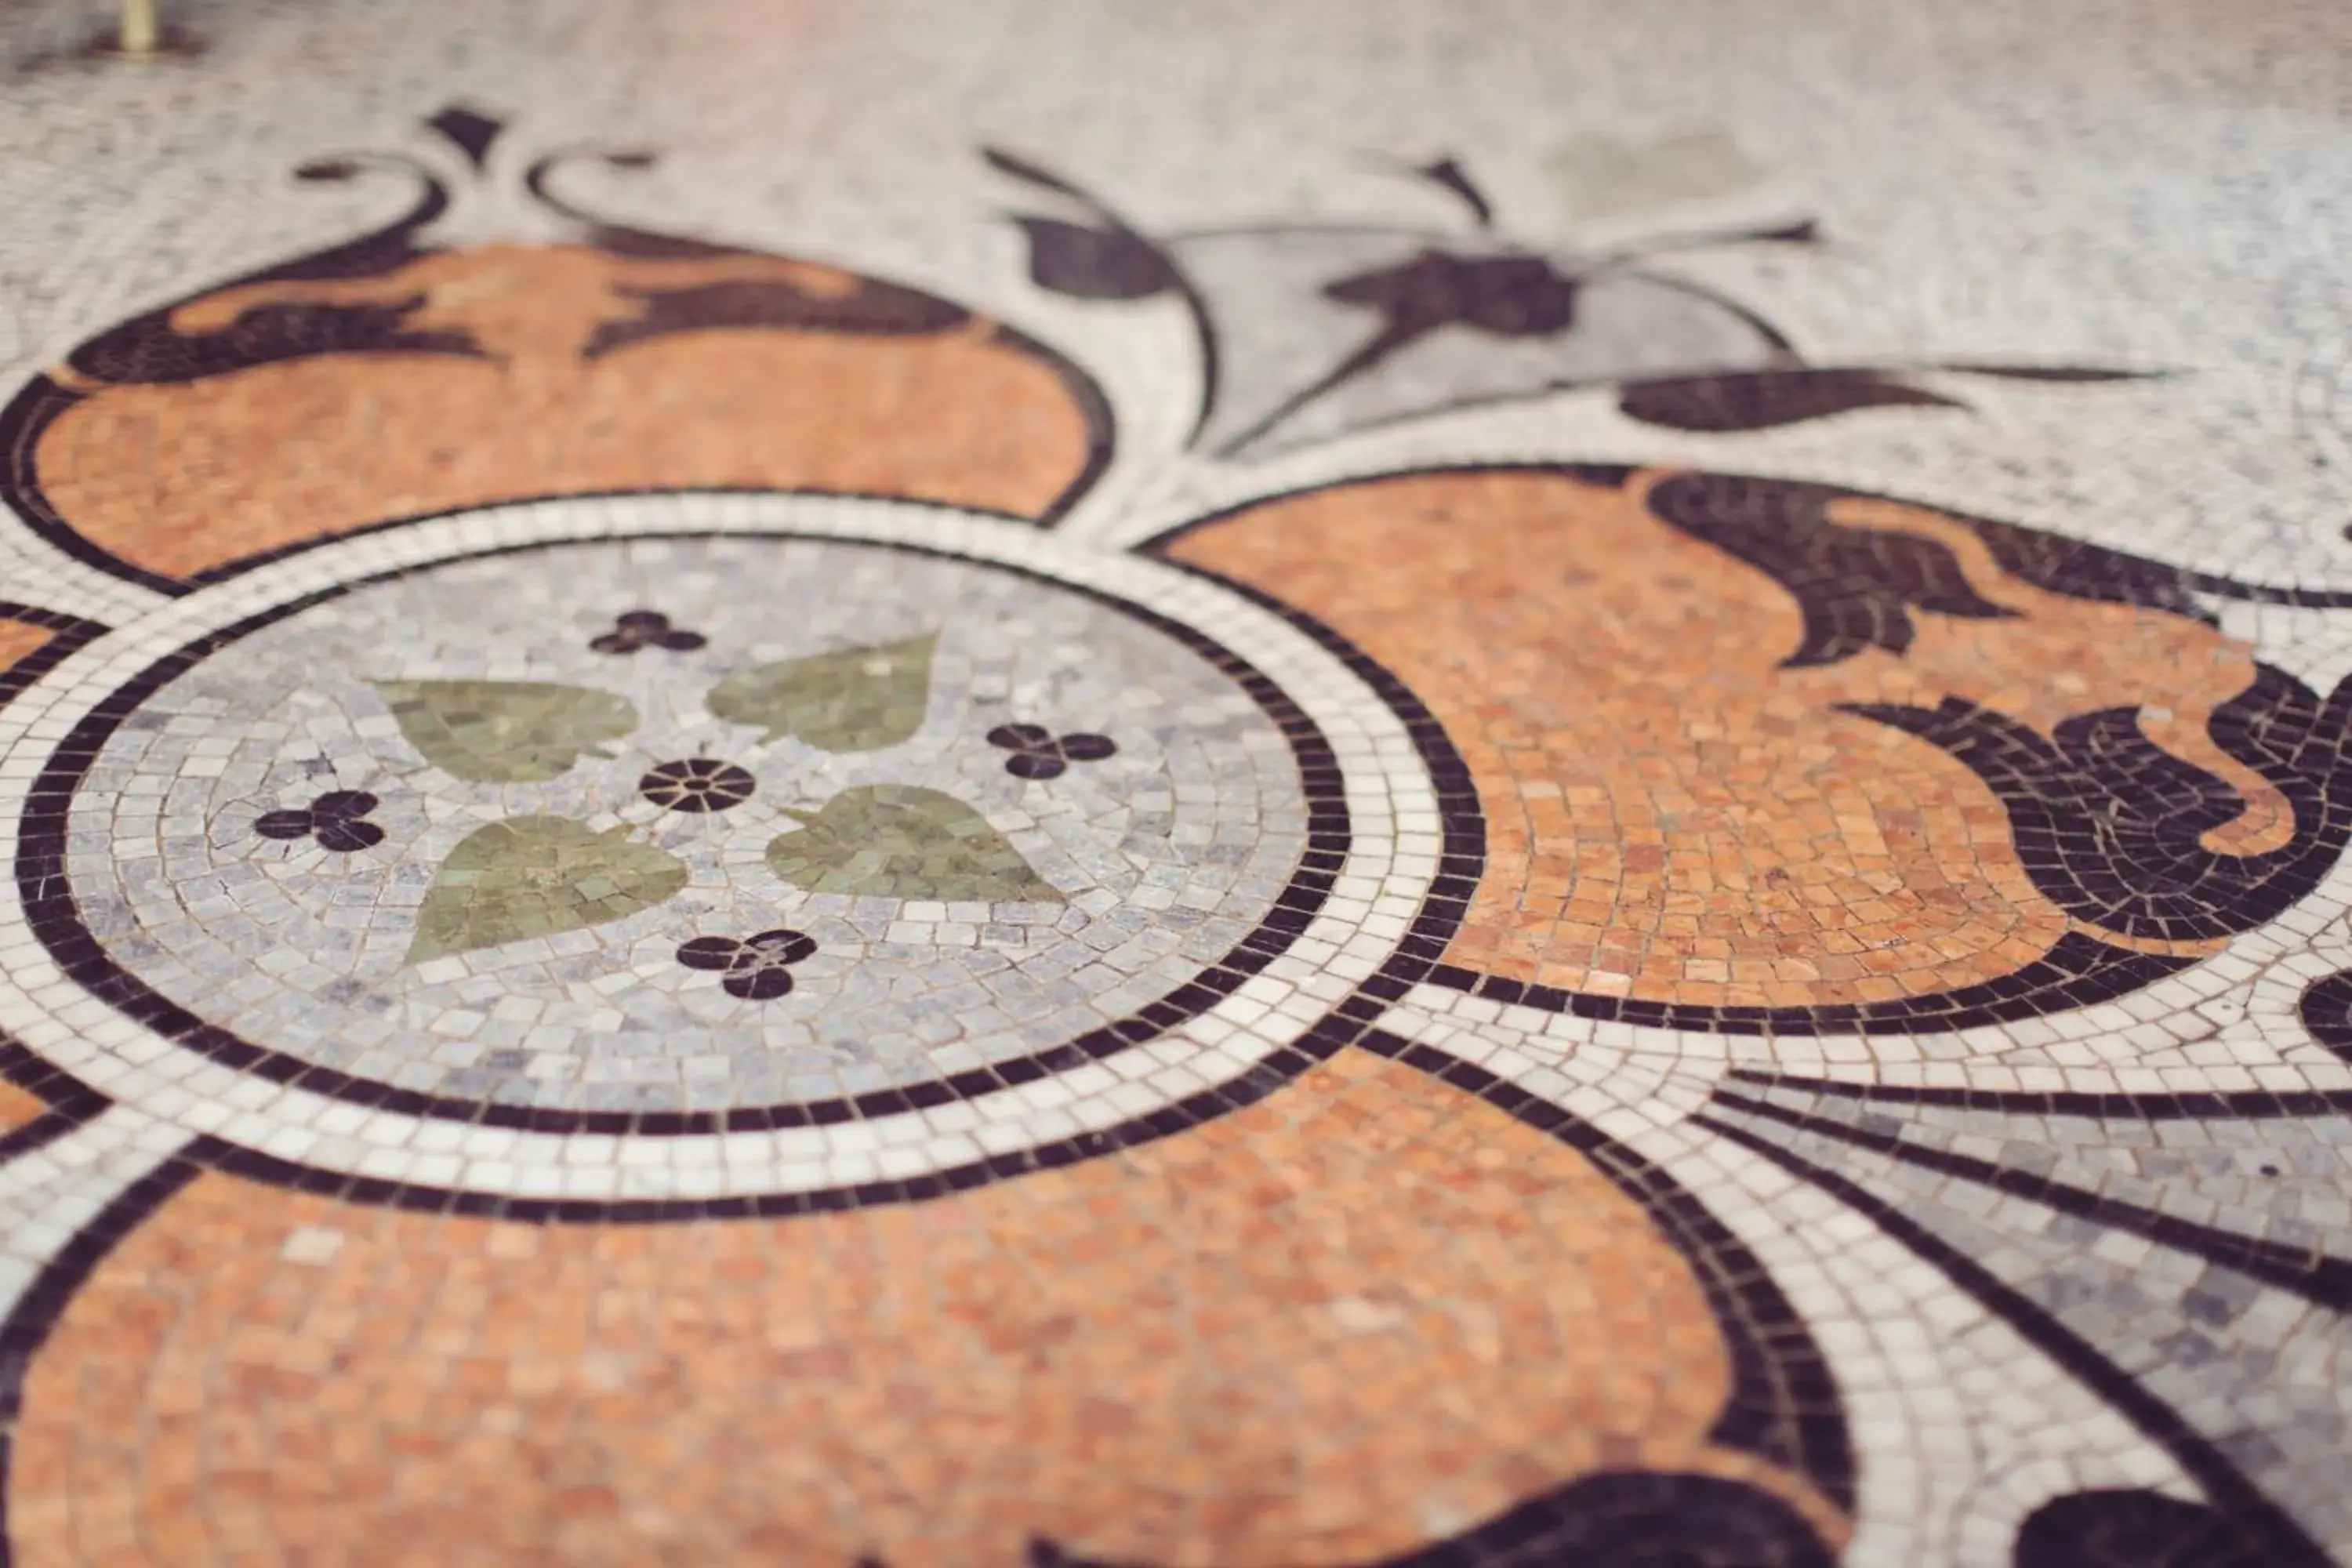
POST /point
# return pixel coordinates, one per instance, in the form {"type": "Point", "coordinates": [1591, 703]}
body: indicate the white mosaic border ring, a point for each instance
{"type": "Point", "coordinates": [1392, 861]}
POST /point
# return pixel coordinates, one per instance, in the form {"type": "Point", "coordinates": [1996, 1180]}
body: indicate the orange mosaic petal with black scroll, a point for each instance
{"type": "Point", "coordinates": [1671, 814]}
{"type": "Point", "coordinates": [178, 479]}
{"type": "Point", "coordinates": [1367, 1310]}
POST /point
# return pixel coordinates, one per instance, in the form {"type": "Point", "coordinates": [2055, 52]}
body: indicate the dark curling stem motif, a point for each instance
{"type": "Point", "coordinates": [1856, 587]}
{"type": "Point", "coordinates": [153, 350]}
{"type": "Point", "coordinates": [1101, 259]}
{"type": "Point", "coordinates": [756, 968]}
{"type": "Point", "coordinates": [334, 820]}
{"type": "Point", "coordinates": [1039, 753]}
{"type": "Point", "coordinates": [868, 307]}
{"type": "Point", "coordinates": [2326, 1011]}
{"type": "Point", "coordinates": [2108, 823]}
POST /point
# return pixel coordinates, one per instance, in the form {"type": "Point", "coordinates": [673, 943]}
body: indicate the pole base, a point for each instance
{"type": "Point", "coordinates": [169, 45]}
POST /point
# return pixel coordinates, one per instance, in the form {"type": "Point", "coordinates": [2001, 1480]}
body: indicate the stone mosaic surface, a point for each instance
{"type": "Point", "coordinates": [475, 879]}
{"type": "Point", "coordinates": [1085, 788]}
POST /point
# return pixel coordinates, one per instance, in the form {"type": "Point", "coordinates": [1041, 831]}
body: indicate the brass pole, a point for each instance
{"type": "Point", "coordinates": [141, 30]}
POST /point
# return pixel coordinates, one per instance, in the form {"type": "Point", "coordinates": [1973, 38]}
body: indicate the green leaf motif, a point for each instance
{"type": "Point", "coordinates": [859, 700]}
{"type": "Point", "coordinates": [535, 875]}
{"type": "Point", "coordinates": [505, 732]}
{"type": "Point", "coordinates": [901, 841]}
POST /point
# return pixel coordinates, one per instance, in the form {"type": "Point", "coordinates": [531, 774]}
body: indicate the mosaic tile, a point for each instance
{"type": "Point", "coordinates": [1270, 1266]}
{"type": "Point", "coordinates": [504, 731]}
{"type": "Point", "coordinates": [503, 902]}
{"type": "Point", "coordinates": [1408, 788]}
{"type": "Point", "coordinates": [858, 699]}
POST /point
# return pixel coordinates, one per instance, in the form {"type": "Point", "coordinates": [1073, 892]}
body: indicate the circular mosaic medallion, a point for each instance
{"type": "Point", "coordinates": [812, 817]}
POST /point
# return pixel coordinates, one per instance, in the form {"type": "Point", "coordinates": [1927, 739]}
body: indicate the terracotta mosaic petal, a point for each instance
{"type": "Point", "coordinates": [1681, 805]}
{"type": "Point", "coordinates": [510, 371]}
{"type": "Point", "coordinates": [1296, 1336]}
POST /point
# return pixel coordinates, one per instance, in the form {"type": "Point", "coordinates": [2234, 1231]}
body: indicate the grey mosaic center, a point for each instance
{"type": "Point", "coordinates": [1161, 855]}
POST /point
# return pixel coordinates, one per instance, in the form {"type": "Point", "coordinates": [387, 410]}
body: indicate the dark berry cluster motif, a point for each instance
{"type": "Point", "coordinates": [334, 820]}
{"type": "Point", "coordinates": [756, 968]}
{"type": "Point", "coordinates": [1039, 753]}
{"type": "Point", "coordinates": [696, 783]}
{"type": "Point", "coordinates": [646, 628]}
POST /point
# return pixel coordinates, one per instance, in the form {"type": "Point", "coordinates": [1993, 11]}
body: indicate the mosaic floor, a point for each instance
{"type": "Point", "coordinates": [1046, 786]}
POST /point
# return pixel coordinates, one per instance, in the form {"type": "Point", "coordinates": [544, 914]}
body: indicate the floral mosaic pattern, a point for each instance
{"type": "Point", "coordinates": [1422, 942]}
{"type": "Point", "coordinates": [1039, 753]}
{"type": "Point", "coordinates": [337, 819]}
{"type": "Point", "coordinates": [541, 875]}
{"type": "Point", "coordinates": [552, 843]}
{"type": "Point", "coordinates": [757, 967]}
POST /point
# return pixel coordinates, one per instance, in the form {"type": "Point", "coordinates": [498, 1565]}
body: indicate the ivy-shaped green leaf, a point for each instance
{"type": "Point", "coordinates": [858, 699]}
{"type": "Point", "coordinates": [901, 841]}
{"type": "Point", "coordinates": [535, 875]}
{"type": "Point", "coordinates": [505, 732]}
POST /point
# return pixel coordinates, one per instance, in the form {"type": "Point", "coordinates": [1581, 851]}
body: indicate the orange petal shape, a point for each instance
{"type": "Point", "coordinates": [1673, 816]}
{"type": "Point", "coordinates": [177, 478]}
{"type": "Point", "coordinates": [1366, 1310]}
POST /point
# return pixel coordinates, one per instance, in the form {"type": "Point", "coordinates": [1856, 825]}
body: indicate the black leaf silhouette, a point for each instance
{"type": "Point", "coordinates": [2120, 1528]}
{"type": "Point", "coordinates": [1502, 296]}
{"type": "Point", "coordinates": [1095, 263]}
{"type": "Point", "coordinates": [1807, 232]}
{"type": "Point", "coordinates": [1449, 172]}
{"type": "Point", "coordinates": [1855, 586]}
{"type": "Point", "coordinates": [470, 132]}
{"type": "Point", "coordinates": [745, 302]}
{"type": "Point", "coordinates": [1763, 400]}
{"type": "Point", "coordinates": [2110, 826]}
{"type": "Point", "coordinates": [1020, 168]}
{"type": "Point", "coordinates": [1506, 295]}
{"type": "Point", "coordinates": [2059, 372]}
{"type": "Point", "coordinates": [151, 351]}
